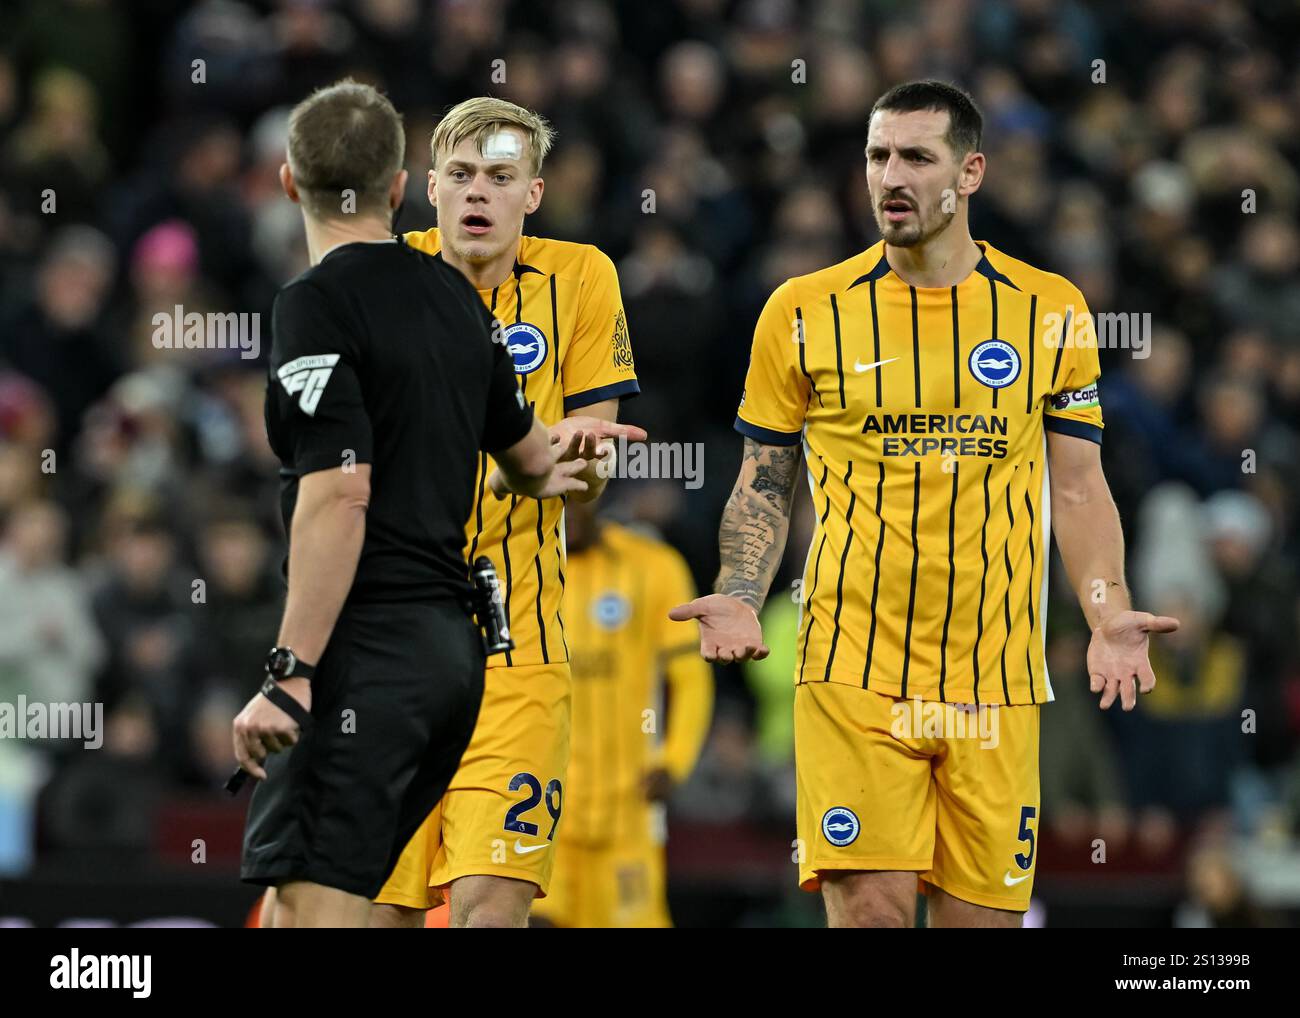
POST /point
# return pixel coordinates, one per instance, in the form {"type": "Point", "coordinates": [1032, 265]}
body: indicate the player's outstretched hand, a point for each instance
{"type": "Point", "coordinates": [262, 728]}
{"type": "Point", "coordinates": [729, 628]}
{"type": "Point", "coordinates": [592, 440]}
{"type": "Point", "coordinates": [568, 447]}
{"type": "Point", "coordinates": [1117, 656]}
{"type": "Point", "coordinates": [592, 431]}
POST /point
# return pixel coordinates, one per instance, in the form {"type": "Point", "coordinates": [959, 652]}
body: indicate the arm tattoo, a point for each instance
{"type": "Point", "coordinates": [755, 521]}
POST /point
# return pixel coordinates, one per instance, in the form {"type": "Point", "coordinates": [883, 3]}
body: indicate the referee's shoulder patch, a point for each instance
{"type": "Point", "coordinates": [306, 377]}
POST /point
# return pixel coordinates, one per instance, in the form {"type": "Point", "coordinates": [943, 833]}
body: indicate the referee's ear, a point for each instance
{"type": "Point", "coordinates": [286, 182]}
{"type": "Point", "coordinates": [397, 190]}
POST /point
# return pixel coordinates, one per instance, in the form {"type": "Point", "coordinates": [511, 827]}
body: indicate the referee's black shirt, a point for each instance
{"type": "Point", "coordinates": [382, 354]}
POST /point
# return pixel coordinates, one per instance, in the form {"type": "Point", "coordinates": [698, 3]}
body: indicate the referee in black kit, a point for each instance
{"type": "Point", "coordinates": [384, 385]}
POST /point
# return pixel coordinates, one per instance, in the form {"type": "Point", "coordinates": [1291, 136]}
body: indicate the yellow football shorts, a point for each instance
{"type": "Point", "coordinates": [891, 784]}
{"type": "Point", "coordinates": [502, 810]}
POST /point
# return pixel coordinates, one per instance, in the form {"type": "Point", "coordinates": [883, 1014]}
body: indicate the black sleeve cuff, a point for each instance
{"type": "Point", "coordinates": [509, 436]}
{"type": "Point", "coordinates": [616, 390]}
{"type": "Point", "coordinates": [766, 435]}
{"type": "Point", "coordinates": [1073, 428]}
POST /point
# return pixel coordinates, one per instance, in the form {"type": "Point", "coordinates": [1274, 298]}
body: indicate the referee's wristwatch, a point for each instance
{"type": "Point", "coordinates": [282, 663]}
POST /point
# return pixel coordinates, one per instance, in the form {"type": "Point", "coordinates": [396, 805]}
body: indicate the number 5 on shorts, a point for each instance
{"type": "Point", "coordinates": [553, 804]}
{"type": "Point", "coordinates": [1027, 813]}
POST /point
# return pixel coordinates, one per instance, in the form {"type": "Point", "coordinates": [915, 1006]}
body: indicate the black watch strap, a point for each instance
{"type": "Point", "coordinates": [302, 670]}
{"type": "Point", "coordinates": [272, 691]}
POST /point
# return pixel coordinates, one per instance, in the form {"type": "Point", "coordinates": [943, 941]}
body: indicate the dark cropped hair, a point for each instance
{"type": "Point", "coordinates": [345, 136]}
{"type": "Point", "coordinates": [965, 122]}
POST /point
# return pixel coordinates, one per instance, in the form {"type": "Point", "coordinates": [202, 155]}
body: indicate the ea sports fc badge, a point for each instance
{"type": "Point", "coordinates": [840, 826]}
{"type": "Point", "coordinates": [995, 363]}
{"type": "Point", "coordinates": [526, 345]}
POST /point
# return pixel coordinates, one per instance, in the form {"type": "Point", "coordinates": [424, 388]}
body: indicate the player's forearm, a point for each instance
{"type": "Point", "coordinates": [1087, 528]}
{"type": "Point", "coordinates": [600, 468]}
{"type": "Point", "coordinates": [324, 548]}
{"type": "Point", "coordinates": [756, 521]}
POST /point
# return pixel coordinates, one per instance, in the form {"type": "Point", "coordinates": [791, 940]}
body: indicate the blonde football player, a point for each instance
{"type": "Point", "coordinates": [558, 309]}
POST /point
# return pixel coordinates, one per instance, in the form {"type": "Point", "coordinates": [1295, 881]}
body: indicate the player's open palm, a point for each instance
{"type": "Point", "coordinates": [591, 432]}
{"type": "Point", "coordinates": [1118, 664]}
{"type": "Point", "coordinates": [729, 628]}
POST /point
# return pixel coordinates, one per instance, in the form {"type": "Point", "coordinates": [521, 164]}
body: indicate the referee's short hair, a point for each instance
{"type": "Point", "coordinates": [346, 137]}
{"type": "Point", "coordinates": [965, 122]}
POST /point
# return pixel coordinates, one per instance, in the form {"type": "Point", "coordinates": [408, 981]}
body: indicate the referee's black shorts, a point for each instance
{"type": "Point", "coordinates": [394, 701]}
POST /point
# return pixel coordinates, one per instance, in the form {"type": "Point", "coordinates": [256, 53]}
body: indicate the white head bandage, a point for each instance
{"type": "Point", "coordinates": [503, 145]}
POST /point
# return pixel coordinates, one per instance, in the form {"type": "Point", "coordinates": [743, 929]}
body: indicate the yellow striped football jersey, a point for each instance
{"type": "Point", "coordinates": [627, 659]}
{"type": "Point", "coordinates": [561, 316]}
{"type": "Point", "coordinates": [922, 414]}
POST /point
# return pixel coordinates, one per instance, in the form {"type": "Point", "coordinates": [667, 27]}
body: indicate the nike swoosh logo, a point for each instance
{"type": "Point", "coordinates": [523, 849]}
{"type": "Point", "coordinates": [859, 367]}
{"type": "Point", "coordinates": [1007, 878]}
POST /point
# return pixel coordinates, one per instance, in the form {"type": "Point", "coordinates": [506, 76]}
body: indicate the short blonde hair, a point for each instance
{"type": "Point", "coordinates": [482, 117]}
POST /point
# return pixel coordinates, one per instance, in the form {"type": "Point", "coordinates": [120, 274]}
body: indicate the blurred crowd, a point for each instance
{"type": "Point", "coordinates": [1149, 150]}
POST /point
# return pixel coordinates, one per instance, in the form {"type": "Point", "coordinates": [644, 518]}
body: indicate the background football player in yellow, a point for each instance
{"type": "Point", "coordinates": [945, 396]}
{"type": "Point", "coordinates": [627, 754]}
{"type": "Point", "coordinates": [557, 307]}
